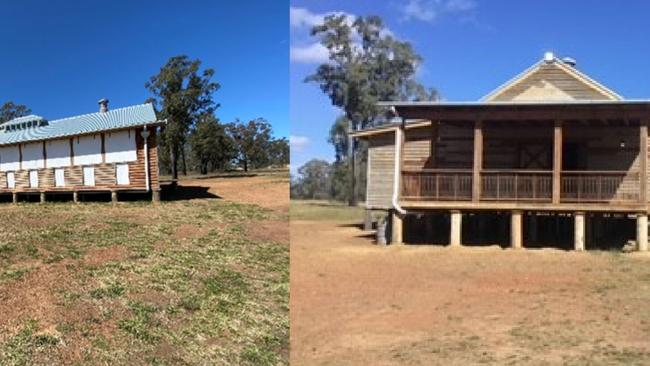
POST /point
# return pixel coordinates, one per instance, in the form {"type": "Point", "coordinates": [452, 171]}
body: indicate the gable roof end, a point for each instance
{"type": "Point", "coordinates": [592, 89]}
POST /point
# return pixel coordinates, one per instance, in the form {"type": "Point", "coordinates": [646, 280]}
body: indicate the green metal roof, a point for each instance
{"type": "Point", "coordinates": [19, 130]}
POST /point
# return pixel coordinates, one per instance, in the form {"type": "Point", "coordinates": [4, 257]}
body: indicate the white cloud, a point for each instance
{"type": "Point", "coordinates": [461, 5]}
{"type": "Point", "coordinates": [431, 10]}
{"type": "Point", "coordinates": [305, 48]}
{"type": "Point", "coordinates": [298, 143]}
{"type": "Point", "coordinates": [304, 18]}
{"type": "Point", "coordinates": [417, 9]}
{"type": "Point", "coordinates": [313, 53]}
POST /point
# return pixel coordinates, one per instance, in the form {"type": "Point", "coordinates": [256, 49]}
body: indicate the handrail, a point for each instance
{"type": "Point", "coordinates": [603, 172]}
{"type": "Point", "coordinates": [518, 171]}
{"type": "Point", "coordinates": [428, 170]}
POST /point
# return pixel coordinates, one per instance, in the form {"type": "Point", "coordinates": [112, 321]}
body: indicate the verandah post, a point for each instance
{"type": "Point", "coordinates": [557, 160]}
{"type": "Point", "coordinates": [643, 161]}
{"type": "Point", "coordinates": [477, 161]}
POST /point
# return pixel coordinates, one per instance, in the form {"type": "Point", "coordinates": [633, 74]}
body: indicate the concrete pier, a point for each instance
{"type": "Point", "coordinates": [579, 231]}
{"type": "Point", "coordinates": [397, 227]}
{"type": "Point", "coordinates": [642, 232]}
{"type": "Point", "coordinates": [516, 232]}
{"type": "Point", "coordinates": [456, 228]}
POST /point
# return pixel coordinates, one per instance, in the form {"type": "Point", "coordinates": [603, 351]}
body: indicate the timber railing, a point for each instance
{"type": "Point", "coordinates": [599, 186]}
{"type": "Point", "coordinates": [517, 185]}
{"type": "Point", "coordinates": [595, 186]}
{"type": "Point", "coordinates": [437, 184]}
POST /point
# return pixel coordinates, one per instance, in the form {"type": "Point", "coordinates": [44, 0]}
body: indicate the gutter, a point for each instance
{"type": "Point", "coordinates": [396, 172]}
{"type": "Point", "coordinates": [145, 135]}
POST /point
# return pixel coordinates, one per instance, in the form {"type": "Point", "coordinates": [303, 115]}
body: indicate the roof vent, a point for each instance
{"type": "Point", "coordinates": [549, 57]}
{"type": "Point", "coordinates": [569, 61]}
{"type": "Point", "coordinates": [103, 105]}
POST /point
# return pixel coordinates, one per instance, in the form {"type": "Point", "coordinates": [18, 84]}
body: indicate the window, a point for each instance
{"type": "Point", "coordinates": [59, 177]}
{"type": "Point", "coordinates": [89, 176]}
{"type": "Point", "coordinates": [11, 180]}
{"type": "Point", "coordinates": [33, 178]}
{"type": "Point", "coordinates": [122, 174]}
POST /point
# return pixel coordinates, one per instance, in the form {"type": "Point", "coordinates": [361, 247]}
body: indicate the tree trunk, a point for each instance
{"type": "Point", "coordinates": [245, 166]}
{"type": "Point", "coordinates": [352, 200]}
{"type": "Point", "coordinates": [183, 158]}
{"type": "Point", "coordinates": [174, 162]}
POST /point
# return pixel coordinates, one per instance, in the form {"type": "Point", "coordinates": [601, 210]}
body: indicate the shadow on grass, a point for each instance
{"type": "Point", "coordinates": [170, 192]}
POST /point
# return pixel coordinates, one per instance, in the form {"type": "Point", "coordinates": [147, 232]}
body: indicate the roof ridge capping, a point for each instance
{"type": "Point", "coordinates": [567, 66]}
{"type": "Point", "coordinates": [109, 111]}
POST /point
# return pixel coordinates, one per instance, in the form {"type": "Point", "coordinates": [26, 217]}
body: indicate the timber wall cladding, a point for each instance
{"type": "Point", "coordinates": [453, 148]}
{"type": "Point", "coordinates": [381, 160]}
{"type": "Point", "coordinates": [550, 82]}
{"type": "Point", "coordinates": [603, 151]}
{"type": "Point", "coordinates": [104, 172]}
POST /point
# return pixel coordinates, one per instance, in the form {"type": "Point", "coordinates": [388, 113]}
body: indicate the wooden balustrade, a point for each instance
{"type": "Point", "coordinates": [516, 185]}
{"type": "Point", "coordinates": [437, 184]}
{"type": "Point", "coordinates": [599, 186]}
{"type": "Point", "coordinates": [521, 185]}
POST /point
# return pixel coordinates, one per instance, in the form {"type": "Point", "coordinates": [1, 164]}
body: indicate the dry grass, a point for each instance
{"type": "Point", "coordinates": [428, 305]}
{"type": "Point", "coordinates": [96, 284]}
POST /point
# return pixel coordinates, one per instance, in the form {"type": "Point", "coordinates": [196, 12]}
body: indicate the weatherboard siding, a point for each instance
{"type": "Point", "coordinates": [381, 163]}
{"type": "Point", "coordinates": [105, 178]}
{"type": "Point", "coordinates": [549, 83]}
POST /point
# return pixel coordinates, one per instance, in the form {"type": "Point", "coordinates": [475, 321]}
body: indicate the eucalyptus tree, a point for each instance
{"type": "Point", "coordinates": [181, 94]}
{"type": "Point", "coordinates": [252, 142]}
{"type": "Point", "coordinates": [211, 147]}
{"type": "Point", "coordinates": [11, 110]}
{"type": "Point", "coordinates": [366, 64]}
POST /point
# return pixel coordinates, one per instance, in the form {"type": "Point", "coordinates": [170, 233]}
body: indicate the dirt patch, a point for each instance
{"type": "Point", "coordinates": [271, 230]}
{"type": "Point", "coordinates": [356, 303]}
{"type": "Point", "coordinates": [98, 256]}
{"type": "Point", "coordinates": [30, 297]}
{"type": "Point", "coordinates": [268, 191]}
{"type": "Point", "coordinates": [190, 231]}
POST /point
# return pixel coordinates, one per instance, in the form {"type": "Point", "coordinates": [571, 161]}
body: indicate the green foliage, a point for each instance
{"type": "Point", "coordinates": [366, 65]}
{"type": "Point", "coordinates": [181, 93]}
{"type": "Point", "coordinates": [211, 147]}
{"type": "Point", "coordinates": [10, 110]}
{"type": "Point", "coordinates": [318, 179]}
{"type": "Point", "coordinates": [252, 142]}
{"type": "Point", "coordinates": [313, 181]}
{"type": "Point", "coordinates": [279, 152]}
{"type": "Point", "coordinates": [339, 138]}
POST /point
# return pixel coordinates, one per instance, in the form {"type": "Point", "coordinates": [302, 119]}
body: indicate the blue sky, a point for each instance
{"type": "Point", "coordinates": [60, 57]}
{"type": "Point", "coordinates": [470, 47]}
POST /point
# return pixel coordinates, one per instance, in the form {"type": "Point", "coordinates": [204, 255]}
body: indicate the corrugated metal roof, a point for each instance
{"type": "Point", "coordinates": [133, 116]}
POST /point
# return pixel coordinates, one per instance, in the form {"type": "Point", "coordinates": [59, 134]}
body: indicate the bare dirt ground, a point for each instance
{"type": "Point", "coordinates": [268, 190]}
{"type": "Point", "coordinates": [354, 303]}
{"type": "Point", "coordinates": [199, 279]}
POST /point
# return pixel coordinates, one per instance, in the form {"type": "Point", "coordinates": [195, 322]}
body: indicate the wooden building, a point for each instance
{"type": "Point", "coordinates": [108, 151]}
{"type": "Point", "coordinates": [551, 142]}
